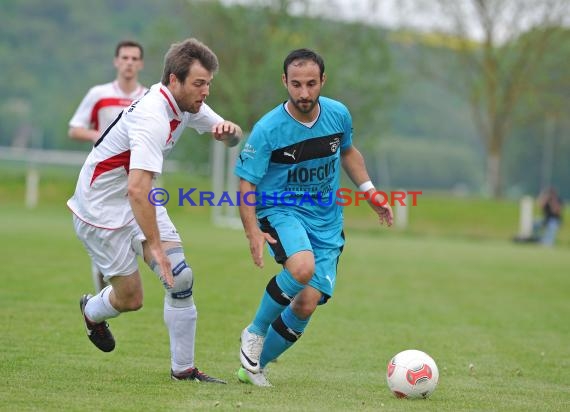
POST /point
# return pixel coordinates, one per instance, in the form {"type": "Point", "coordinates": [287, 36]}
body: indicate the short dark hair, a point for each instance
{"type": "Point", "coordinates": [181, 55]}
{"type": "Point", "coordinates": [304, 54]}
{"type": "Point", "coordinates": [128, 43]}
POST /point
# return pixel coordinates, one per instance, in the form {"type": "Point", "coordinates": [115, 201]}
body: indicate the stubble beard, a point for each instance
{"type": "Point", "coordinates": [299, 107]}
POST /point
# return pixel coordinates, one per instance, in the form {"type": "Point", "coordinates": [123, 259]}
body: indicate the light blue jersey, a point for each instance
{"type": "Point", "coordinates": [296, 168]}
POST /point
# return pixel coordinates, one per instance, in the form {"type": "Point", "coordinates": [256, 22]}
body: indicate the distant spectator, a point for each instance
{"type": "Point", "coordinates": [551, 206]}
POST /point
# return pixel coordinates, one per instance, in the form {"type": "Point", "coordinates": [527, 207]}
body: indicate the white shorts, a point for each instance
{"type": "Point", "coordinates": [114, 251]}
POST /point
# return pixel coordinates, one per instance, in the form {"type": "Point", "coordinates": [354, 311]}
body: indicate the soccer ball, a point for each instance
{"type": "Point", "coordinates": [412, 374]}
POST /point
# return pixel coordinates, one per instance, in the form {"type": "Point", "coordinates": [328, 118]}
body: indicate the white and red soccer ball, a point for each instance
{"type": "Point", "coordinates": [412, 374]}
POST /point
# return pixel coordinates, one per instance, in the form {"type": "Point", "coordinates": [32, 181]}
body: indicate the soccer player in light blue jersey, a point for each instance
{"type": "Point", "coordinates": [289, 172]}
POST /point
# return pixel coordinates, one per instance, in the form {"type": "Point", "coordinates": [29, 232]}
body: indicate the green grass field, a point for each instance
{"type": "Point", "coordinates": [493, 314]}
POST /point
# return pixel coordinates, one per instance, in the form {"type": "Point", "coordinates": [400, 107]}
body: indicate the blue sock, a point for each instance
{"type": "Point", "coordinates": [282, 333]}
{"type": "Point", "coordinates": [279, 292]}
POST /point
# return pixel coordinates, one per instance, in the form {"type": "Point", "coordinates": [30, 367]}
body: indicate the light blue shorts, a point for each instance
{"type": "Point", "coordinates": [293, 235]}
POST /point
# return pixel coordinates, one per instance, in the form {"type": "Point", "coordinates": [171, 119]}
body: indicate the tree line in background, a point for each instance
{"type": "Point", "coordinates": [431, 110]}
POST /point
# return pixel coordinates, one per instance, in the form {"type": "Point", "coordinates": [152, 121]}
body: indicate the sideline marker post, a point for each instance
{"type": "Point", "coordinates": [525, 217]}
{"type": "Point", "coordinates": [401, 213]}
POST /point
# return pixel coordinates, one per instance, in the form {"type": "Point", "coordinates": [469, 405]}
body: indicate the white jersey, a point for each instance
{"type": "Point", "coordinates": [140, 139]}
{"type": "Point", "coordinates": [102, 104]}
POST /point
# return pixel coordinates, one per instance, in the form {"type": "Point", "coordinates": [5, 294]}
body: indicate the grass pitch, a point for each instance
{"type": "Point", "coordinates": [493, 315]}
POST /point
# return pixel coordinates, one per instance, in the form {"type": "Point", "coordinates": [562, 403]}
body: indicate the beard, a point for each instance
{"type": "Point", "coordinates": [190, 108]}
{"type": "Point", "coordinates": [304, 106]}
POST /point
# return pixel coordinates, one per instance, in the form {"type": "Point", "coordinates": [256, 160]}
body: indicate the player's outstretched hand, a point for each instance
{"type": "Point", "coordinates": [382, 209]}
{"type": "Point", "coordinates": [227, 132]}
{"type": "Point", "coordinates": [257, 241]}
{"type": "Point", "coordinates": [165, 267]}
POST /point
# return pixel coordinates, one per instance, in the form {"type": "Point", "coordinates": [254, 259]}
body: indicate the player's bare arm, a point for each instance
{"type": "Point", "coordinates": [354, 166]}
{"type": "Point", "coordinates": [255, 236]}
{"type": "Point", "coordinates": [139, 186]}
{"type": "Point", "coordinates": [83, 134]}
{"type": "Point", "coordinates": [227, 132]}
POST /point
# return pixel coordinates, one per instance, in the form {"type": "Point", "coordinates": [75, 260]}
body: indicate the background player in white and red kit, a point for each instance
{"type": "Point", "coordinates": [104, 102]}
{"type": "Point", "coordinates": [112, 210]}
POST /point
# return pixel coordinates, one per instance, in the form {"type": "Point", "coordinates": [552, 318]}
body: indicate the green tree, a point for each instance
{"type": "Point", "coordinates": [496, 70]}
{"type": "Point", "coordinates": [255, 40]}
{"type": "Point", "coordinates": [538, 157]}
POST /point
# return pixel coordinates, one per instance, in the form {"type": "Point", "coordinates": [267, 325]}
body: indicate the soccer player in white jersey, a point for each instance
{"type": "Point", "coordinates": [112, 207]}
{"type": "Point", "coordinates": [104, 102]}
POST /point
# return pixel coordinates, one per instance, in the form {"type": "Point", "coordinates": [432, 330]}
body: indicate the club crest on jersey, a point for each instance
{"type": "Point", "coordinates": [334, 144]}
{"type": "Point", "coordinates": [248, 148]}
{"type": "Point", "coordinates": [248, 152]}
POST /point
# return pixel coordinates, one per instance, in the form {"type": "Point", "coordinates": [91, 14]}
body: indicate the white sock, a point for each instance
{"type": "Point", "coordinates": [99, 307]}
{"type": "Point", "coordinates": [181, 324]}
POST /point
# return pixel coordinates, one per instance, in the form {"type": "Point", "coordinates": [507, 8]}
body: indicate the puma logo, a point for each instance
{"type": "Point", "coordinates": [286, 296]}
{"type": "Point", "coordinates": [292, 155]}
{"type": "Point", "coordinates": [297, 335]}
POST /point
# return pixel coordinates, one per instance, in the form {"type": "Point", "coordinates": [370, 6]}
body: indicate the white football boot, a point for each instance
{"type": "Point", "coordinates": [256, 379]}
{"type": "Point", "coordinates": [250, 350]}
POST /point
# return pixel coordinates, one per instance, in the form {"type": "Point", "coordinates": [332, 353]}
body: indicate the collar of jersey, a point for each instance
{"type": "Point", "coordinates": [308, 125]}
{"type": "Point", "coordinates": [170, 99]}
{"type": "Point", "coordinates": [136, 93]}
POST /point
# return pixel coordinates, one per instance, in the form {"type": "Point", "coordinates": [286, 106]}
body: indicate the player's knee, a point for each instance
{"type": "Point", "coordinates": [135, 304]}
{"type": "Point", "coordinates": [301, 265]}
{"type": "Point", "coordinates": [303, 308]}
{"type": "Point", "coordinates": [303, 271]}
{"type": "Point", "coordinates": [180, 295]}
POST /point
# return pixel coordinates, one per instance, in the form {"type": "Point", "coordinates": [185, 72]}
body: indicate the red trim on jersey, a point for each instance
{"type": "Point", "coordinates": [120, 160]}
{"type": "Point", "coordinates": [168, 100]}
{"type": "Point", "coordinates": [173, 125]}
{"type": "Point", "coordinates": [106, 102]}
